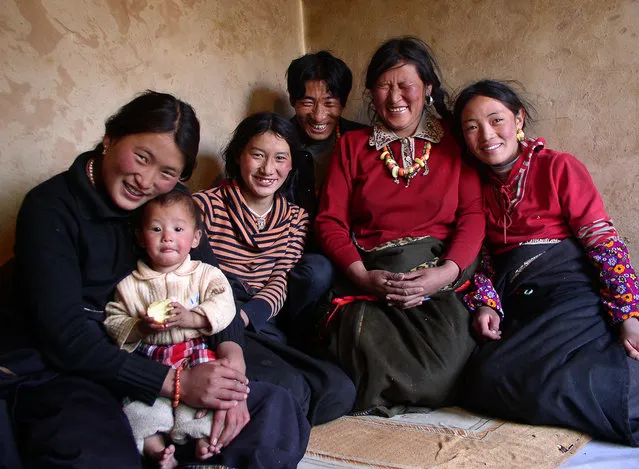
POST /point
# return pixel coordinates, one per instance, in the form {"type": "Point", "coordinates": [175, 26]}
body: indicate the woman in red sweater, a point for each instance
{"type": "Point", "coordinates": [400, 215]}
{"type": "Point", "coordinates": [556, 269]}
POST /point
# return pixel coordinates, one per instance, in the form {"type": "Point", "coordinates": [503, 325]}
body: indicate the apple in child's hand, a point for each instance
{"type": "Point", "coordinates": [159, 310]}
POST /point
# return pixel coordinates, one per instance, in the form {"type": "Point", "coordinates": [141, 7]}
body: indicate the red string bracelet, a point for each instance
{"type": "Point", "coordinates": [176, 394]}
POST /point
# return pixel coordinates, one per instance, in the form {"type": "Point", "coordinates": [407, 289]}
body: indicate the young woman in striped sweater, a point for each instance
{"type": "Point", "coordinates": [258, 237]}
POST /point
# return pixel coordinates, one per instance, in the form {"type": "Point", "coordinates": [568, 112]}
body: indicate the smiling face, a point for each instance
{"type": "Point", "coordinates": [168, 234]}
{"type": "Point", "coordinates": [398, 98]}
{"type": "Point", "coordinates": [139, 167]}
{"type": "Point", "coordinates": [264, 166]}
{"type": "Point", "coordinates": [318, 112]}
{"type": "Point", "coordinates": [490, 130]}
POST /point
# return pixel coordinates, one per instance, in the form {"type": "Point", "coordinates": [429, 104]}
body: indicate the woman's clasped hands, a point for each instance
{"type": "Point", "coordinates": [413, 288]}
{"type": "Point", "coordinates": [405, 290]}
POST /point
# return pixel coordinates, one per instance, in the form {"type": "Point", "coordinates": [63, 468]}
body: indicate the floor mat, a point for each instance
{"type": "Point", "coordinates": [444, 438]}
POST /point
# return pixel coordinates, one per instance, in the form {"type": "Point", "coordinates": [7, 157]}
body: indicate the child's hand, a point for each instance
{"type": "Point", "coordinates": [182, 317]}
{"type": "Point", "coordinates": [629, 336]}
{"type": "Point", "coordinates": [486, 323]}
{"type": "Point", "coordinates": [147, 326]}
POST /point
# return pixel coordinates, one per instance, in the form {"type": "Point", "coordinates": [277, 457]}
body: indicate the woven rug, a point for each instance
{"type": "Point", "coordinates": [444, 438]}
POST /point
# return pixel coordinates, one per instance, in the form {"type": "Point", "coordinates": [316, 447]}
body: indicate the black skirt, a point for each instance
{"type": "Point", "coordinates": [559, 362]}
{"type": "Point", "coordinates": [403, 357]}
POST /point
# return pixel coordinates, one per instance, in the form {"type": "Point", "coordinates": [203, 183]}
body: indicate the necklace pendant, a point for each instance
{"type": "Point", "coordinates": [426, 169]}
{"type": "Point", "coordinates": [409, 178]}
{"type": "Point", "coordinates": [260, 220]}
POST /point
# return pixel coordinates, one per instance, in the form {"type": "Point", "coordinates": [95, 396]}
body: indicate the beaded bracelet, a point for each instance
{"type": "Point", "coordinates": [176, 394]}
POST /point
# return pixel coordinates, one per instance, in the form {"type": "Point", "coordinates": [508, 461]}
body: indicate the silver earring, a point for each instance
{"type": "Point", "coordinates": [104, 150]}
{"type": "Point", "coordinates": [429, 100]}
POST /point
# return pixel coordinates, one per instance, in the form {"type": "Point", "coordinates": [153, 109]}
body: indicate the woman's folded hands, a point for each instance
{"type": "Point", "coordinates": [403, 290]}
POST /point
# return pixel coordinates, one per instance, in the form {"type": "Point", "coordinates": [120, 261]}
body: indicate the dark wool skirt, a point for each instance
{"type": "Point", "coordinates": [402, 357]}
{"type": "Point", "coordinates": [559, 362]}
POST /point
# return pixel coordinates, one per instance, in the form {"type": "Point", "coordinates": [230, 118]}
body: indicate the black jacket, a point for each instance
{"type": "Point", "coordinates": [73, 246]}
{"type": "Point", "coordinates": [302, 187]}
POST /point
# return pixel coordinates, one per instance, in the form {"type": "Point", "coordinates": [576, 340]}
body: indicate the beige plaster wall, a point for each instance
{"type": "Point", "coordinates": [68, 64]}
{"type": "Point", "coordinates": [578, 61]}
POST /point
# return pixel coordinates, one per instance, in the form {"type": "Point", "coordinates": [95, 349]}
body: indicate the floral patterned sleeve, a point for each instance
{"type": "Point", "coordinates": [482, 292]}
{"type": "Point", "coordinates": [619, 286]}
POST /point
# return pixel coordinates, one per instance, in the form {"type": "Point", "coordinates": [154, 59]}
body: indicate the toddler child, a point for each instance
{"type": "Point", "coordinates": [194, 300]}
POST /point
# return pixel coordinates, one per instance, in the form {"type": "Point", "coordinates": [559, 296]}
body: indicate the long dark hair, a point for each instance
{"type": "Point", "coordinates": [501, 91]}
{"type": "Point", "coordinates": [257, 124]}
{"type": "Point", "coordinates": [411, 50]}
{"type": "Point", "coordinates": [153, 112]}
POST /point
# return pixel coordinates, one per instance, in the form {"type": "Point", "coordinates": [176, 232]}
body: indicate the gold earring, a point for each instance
{"type": "Point", "coordinates": [520, 135]}
{"type": "Point", "coordinates": [104, 150]}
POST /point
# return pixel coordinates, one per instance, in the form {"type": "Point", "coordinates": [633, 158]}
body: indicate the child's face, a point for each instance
{"type": "Point", "coordinates": [168, 234]}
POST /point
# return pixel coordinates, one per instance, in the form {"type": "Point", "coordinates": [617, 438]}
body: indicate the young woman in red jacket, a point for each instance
{"type": "Point", "coordinates": [556, 297]}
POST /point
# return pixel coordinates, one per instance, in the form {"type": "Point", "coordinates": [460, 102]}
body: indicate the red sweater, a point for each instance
{"type": "Point", "coordinates": [557, 198]}
{"type": "Point", "coordinates": [360, 197]}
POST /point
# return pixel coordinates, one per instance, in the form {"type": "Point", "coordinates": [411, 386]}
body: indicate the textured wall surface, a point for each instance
{"type": "Point", "coordinates": [578, 62]}
{"type": "Point", "coordinates": [68, 64]}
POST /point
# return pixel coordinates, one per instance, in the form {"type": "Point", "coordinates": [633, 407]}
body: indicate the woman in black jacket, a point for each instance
{"type": "Point", "coordinates": [74, 243]}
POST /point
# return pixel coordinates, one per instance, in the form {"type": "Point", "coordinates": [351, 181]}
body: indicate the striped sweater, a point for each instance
{"type": "Point", "coordinates": [260, 259]}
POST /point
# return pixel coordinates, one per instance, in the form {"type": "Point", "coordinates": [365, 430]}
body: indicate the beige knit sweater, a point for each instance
{"type": "Point", "coordinates": [198, 287]}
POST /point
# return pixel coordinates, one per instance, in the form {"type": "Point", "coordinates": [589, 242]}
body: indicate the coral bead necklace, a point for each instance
{"type": "Point", "coordinates": [408, 173]}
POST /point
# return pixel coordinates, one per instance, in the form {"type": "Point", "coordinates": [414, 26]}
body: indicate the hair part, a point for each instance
{"type": "Point", "coordinates": [176, 196]}
{"type": "Point", "coordinates": [257, 124]}
{"type": "Point", "coordinates": [500, 91]}
{"type": "Point", "coordinates": [410, 50]}
{"type": "Point", "coordinates": [322, 66]}
{"type": "Point", "coordinates": [153, 112]}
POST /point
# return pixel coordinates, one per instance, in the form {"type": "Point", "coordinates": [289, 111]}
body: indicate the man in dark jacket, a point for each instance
{"type": "Point", "coordinates": [318, 87]}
